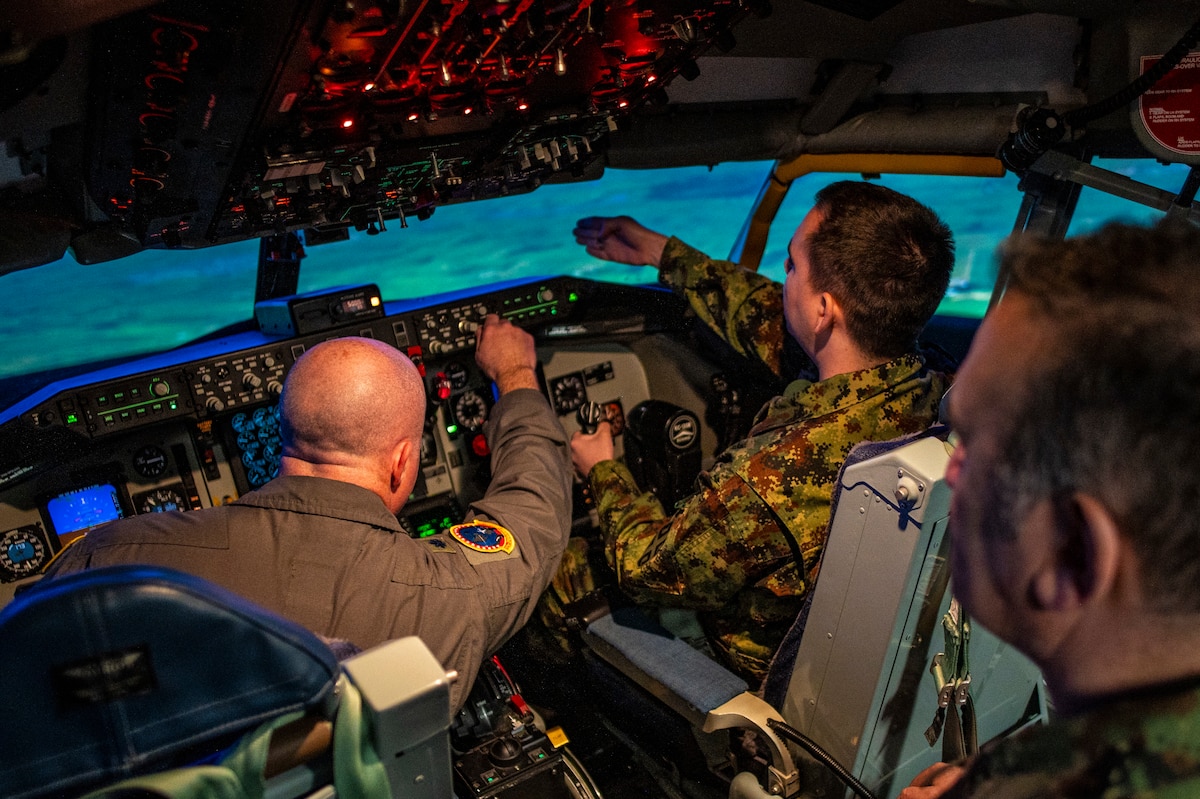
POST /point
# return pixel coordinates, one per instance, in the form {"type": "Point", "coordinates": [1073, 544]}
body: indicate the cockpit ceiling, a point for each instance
{"type": "Point", "coordinates": [188, 123]}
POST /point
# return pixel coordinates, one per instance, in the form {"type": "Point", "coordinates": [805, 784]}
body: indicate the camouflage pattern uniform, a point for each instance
{"type": "Point", "coordinates": [1144, 744]}
{"type": "Point", "coordinates": [730, 550]}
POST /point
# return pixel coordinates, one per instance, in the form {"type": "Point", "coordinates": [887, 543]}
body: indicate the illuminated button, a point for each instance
{"type": "Point", "coordinates": [101, 401]}
{"type": "Point", "coordinates": [125, 417]}
{"type": "Point", "coordinates": [109, 420]}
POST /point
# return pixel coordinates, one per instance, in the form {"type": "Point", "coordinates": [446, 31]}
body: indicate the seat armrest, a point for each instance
{"type": "Point", "coordinates": [687, 680]}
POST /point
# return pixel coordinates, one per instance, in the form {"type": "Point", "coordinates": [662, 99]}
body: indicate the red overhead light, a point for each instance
{"type": "Point", "coordinates": [347, 123]}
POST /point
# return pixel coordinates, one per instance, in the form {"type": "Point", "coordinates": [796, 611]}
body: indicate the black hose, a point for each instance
{"type": "Point", "coordinates": [1135, 89]}
{"type": "Point", "coordinates": [826, 759]}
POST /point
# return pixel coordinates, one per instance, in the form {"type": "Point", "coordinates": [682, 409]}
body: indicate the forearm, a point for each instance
{"type": "Point", "coordinates": [658, 559]}
{"type": "Point", "coordinates": [744, 308]}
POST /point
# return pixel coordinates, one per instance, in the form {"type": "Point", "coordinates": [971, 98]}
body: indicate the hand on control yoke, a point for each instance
{"type": "Point", "coordinates": [593, 442]}
{"type": "Point", "coordinates": [620, 239]}
{"type": "Point", "coordinates": [506, 354]}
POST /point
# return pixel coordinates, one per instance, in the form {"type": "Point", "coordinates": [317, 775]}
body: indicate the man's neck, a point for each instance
{"type": "Point", "coordinates": [840, 356]}
{"type": "Point", "coordinates": [1124, 657]}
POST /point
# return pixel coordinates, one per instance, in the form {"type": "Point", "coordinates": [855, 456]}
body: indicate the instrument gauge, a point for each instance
{"type": "Point", "coordinates": [470, 410]}
{"type": "Point", "coordinates": [150, 461]}
{"type": "Point", "coordinates": [457, 374]}
{"type": "Point", "coordinates": [160, 500]}
{"type": "Point", "coordinates": [567, 392]}
{"type": "Point", "coordinates": [22, 552]}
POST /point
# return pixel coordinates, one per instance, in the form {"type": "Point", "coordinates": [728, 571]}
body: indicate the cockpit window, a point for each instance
{"type": "Point", "coordinates": [64, 315]}
{"type": "Point", "coordinates": [1096, 207]}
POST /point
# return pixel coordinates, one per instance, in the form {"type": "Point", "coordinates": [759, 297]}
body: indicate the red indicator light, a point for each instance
{"type": "Point", "coordinates": [347, 123]}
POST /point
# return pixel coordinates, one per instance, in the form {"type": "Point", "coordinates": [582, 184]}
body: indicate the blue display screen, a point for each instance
{"type": "Point", "coordinates": [83, 508]}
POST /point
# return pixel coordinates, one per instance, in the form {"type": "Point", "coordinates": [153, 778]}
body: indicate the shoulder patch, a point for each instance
{"type": "Point", "coordinates": [436, 543]}
{"type": "Point", "coordinates": [483, 537]}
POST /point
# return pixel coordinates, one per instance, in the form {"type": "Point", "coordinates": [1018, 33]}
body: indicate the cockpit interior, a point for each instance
{"type": "Point", "coordinates": [139, 128]}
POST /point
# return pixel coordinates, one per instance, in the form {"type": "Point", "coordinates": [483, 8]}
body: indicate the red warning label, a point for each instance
{"type": "Point", "coordinates": [1170, 110]}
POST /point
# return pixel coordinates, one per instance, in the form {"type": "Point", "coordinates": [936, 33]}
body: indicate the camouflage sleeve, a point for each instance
{"type": "Point", "coordinates": [744, 308]}
{"type": "Point", "coordinates": [689, 559]}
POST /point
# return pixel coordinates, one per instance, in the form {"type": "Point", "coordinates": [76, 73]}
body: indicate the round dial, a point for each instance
{"type": "Point", "coordinates": [150, 461]}
{"type": "Point", "coordinates": [470, 410]}
{"type": "Point", "coordinates": [458, 375]}
{"type": "Point", "coordinates": [160, 500]}
{"type": "Point", "coordinates": [21, 552]}
{"type": "Point", "coordinates": [567, 393]}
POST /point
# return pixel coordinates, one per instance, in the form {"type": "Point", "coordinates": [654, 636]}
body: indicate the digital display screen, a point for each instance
{"type": "Point", "coordinates": [84, 508]}
{"type": "Point", "coordinates": [431, 521]}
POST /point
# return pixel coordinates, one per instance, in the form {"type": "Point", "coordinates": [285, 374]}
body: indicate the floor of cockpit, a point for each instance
{"type": "Point", "coordinates": [629, 743]}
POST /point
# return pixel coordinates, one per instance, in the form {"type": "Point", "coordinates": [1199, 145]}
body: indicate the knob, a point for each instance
{"type": "Point", "coordinates": [214, 404]}
{"type": "Point", "coordinates": [467, 326]}
{"type": "Point", "coordinates": [505, 752]}
{"type": "Point", "coordinates": [251, 380]}
{"type": "Point", "coordinates": [589, 415]}
{"type": "Point", "coordinates": [274, 388]}
{"type": "Point", "coordinates": [160, 388]}
{"type": "Point", "coordinates": [436, 347]}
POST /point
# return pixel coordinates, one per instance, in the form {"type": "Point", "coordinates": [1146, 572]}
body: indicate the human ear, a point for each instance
{"type": "Point", "coordinates": [829, 310]}
{"type": "Point", "coordinates": [404, 464]}
{"type": "Point", "coordinates": [1083, 563]}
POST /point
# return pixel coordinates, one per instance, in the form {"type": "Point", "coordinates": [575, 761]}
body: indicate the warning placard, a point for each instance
{"type": "Point", "coordinates": [1170, 110]}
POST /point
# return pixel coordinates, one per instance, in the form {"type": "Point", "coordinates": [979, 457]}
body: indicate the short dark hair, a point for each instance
{"type": "Point", "coordinates": [1113, 410]}
{"type": "Point", "coordinates": [887, 260]}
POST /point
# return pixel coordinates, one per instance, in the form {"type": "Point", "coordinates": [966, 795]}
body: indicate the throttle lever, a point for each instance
{"type": "Point", "coordinates": [589, 415]}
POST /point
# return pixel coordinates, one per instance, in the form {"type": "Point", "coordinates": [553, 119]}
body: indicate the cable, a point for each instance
{"type": "Point", "coordinates": [1138, 87]}
{"type": "Point", "coordinates": [814, 749]}
{"type": "Point", "coordinates": [1039, 129]}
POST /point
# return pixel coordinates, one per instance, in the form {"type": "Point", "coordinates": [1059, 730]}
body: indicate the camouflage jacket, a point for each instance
{"type": "Point", "coordinates": [731, 549]}
{"type": "Point", "coordinates": [1144, 744]}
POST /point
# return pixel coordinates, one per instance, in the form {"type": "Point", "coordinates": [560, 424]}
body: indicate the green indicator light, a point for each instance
{"type": "Point", "coordinates": [553, 311]}
{"type": "Point", "coordinates": [572, 297]}
{"type": "Point", "coordinates": [451, 429]}
{"type": "Point", "coordinates": [72, 418]}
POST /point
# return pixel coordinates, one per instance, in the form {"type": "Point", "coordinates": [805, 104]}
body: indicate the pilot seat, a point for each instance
{"type": "Point", "coordinates": [137, 680]}
{"type": "Point", "coordinates": [881, 674]}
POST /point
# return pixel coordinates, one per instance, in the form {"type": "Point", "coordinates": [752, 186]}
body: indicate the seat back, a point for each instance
{"type": "Point", "coordinates": [129, 671]}
{"type": "Point", "coordinates": [860, 682]}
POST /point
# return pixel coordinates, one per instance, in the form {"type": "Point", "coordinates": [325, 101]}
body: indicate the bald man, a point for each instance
{"type": "Point", "coordinates": [321, 544]}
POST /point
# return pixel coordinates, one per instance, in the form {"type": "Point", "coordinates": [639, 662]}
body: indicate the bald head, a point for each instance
{"type": "Point", "coordinates": [348, 402]}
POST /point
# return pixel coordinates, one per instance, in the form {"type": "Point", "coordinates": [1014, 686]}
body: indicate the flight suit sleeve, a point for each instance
{"type": "Point", "coordinates": [744, 308]}
{"type": "Point", "coordinates": [694, 558]}
{"type": "Point", "coordinates": [530, 496]}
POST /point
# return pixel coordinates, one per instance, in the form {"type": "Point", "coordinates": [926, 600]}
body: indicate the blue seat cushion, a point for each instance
{"type": "Point", "coordinates": [127, 669]}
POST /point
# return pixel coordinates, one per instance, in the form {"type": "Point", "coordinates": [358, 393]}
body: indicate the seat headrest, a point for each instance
{"type": "Point", "coordinates": [128, 669]}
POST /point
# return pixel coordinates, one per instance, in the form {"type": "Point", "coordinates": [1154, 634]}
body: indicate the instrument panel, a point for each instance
{"type": "Point", "coordinates": [199, 426]}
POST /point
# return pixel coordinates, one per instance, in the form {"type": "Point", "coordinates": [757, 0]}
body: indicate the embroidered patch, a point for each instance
{"type": "Point", "coordinates": [483, 537]}
{"type": "Point", "coordinates": [437, 543]}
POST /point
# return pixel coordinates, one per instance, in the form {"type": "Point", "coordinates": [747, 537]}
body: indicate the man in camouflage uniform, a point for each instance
{"type": "Point", "coordinates": [1074, 527]}
{"type": "Point", "coordinates": [865, 271]}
